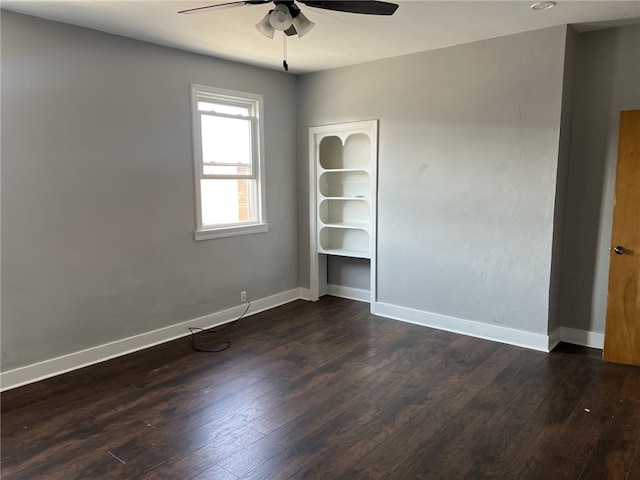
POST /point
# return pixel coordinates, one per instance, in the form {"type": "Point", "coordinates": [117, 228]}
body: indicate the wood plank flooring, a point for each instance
{"type": "Point", "coordinates": [327, 391]}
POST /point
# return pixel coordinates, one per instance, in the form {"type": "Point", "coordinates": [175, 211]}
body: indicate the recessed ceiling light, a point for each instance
{"type": "Point", "coordinates": [543, 5]}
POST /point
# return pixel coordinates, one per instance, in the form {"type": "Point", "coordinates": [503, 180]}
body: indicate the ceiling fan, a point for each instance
{"type": "Point", "coordinates": [287, 17]}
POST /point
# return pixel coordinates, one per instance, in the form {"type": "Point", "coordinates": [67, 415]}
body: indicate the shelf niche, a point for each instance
{"type": "Point", "coordinates": [343, 169]}
{"type": "Point", "coordinates": [344, 242]}
{"type": "Point", "coordinates": [348, 212]}
{"type": "Point", "coordinates": [354, 184]}
{"type": "Point", "coordinates": [354, 154]}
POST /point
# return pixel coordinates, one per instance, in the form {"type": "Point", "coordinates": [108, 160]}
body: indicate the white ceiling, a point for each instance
{"type": "Point", "coordinates": [338, 39]}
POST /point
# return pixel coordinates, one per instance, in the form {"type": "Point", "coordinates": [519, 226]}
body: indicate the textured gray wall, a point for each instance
{"type": "Point", "coordinates": [468, 155]}
{"type": "Point", "coordinates": [607, 82]}
{"type": "Point", "coordinates": [348, 272]}
{"type": "Point", "coordinates": [562, 178]}
{"type": "Point", "coordinates": [97, 191]}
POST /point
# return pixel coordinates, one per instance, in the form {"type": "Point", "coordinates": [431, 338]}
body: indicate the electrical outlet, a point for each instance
{"type": "Point", "coordinates": [243, 296]}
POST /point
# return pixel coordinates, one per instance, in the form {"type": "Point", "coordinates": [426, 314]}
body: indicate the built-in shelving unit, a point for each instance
{"type": "Point", "coordinates": [343, 167]}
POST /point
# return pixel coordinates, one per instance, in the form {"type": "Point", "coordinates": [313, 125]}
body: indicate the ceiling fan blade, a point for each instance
{"type": "Point", "coordinates": [368, 7]}
{"type": "Point", "coordinates": [220, 6]}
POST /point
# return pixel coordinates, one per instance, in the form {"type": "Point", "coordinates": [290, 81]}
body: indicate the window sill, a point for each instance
{"type": "Point", "coordinates": [231, 231]}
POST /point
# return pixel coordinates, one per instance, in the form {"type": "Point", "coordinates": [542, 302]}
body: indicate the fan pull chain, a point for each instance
{"type": "Point", "coordinates": [284, 52]}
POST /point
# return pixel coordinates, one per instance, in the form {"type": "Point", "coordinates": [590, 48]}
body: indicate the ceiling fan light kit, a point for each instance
{"type": "Point", "coordinates": [286, 17]}
{"type": "Point", "coordinates": [302, 24]}
{"type": "Point", "coordinates": [264, 27]}
{"type": "Point", "coordinates": [280, 18]}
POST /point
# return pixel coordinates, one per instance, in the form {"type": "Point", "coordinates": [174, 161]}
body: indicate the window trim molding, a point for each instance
{"type": "Point", "coordinates": [199, 91]}
{"type": "Point", "coordinates": [232, 231]}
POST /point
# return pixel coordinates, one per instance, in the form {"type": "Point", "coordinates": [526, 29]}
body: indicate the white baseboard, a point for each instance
{"type": "Point", "coordinates": [349, 293]}
{"type": "Point", "coordinates": [586, 338]}
{"type": "Point", "coordinates": [555, 338]}
{"type": "Point", "coordinates": [65, 363]}
{"type": "Point", "coordinates": [511, 336]}
{"type": "Point", "coordinates": [304, 294]}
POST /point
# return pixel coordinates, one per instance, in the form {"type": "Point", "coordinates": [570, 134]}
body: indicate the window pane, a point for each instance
{"type": "Point", "coordinates": [223, 108]}
{"type": "Point", "coordinates": [227, 201]}
{"type": "Point", "coordinates": [226, 140]}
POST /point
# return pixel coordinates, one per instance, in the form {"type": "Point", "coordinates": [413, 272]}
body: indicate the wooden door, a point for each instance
{"type": "Point", "coordinates": [622, 331]}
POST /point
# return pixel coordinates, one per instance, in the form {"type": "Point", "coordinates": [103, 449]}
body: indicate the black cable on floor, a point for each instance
{"type": "Point", "coordinates": [226, 344]}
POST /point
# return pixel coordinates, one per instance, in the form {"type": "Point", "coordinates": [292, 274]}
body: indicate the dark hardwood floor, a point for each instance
{"type": "Point", "coordinates": [327, 391]}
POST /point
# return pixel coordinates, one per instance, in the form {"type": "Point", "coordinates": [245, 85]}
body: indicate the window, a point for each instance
{"type": "Point", "coordinates": [227, 136]}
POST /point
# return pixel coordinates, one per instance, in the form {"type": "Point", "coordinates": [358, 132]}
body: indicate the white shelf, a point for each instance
{"type": "Point", "coordinates": [346, 199]}
{"type": "Point", "coordinates": [341, 170]}
{"type": "Point", "coordinates": [358, 225]}
{"type": "Point", "coordinates": [344, 211]}
{"type": "Point", "coordinates": [344, 184]}
{"type": "Point", "coordinates": [344, 240]}
{"type": "Point", "coordinates": [346, 253]}
{"type": "Point", "coordinates": [344, 162]}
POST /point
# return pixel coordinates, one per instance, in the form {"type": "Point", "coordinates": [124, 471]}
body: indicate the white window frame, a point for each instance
{"type": "Point", "coordinates": [255, 104]}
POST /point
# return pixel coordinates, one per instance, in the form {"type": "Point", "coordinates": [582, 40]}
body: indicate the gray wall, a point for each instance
{"type": "Point", "coordinates": [468, 155]}
{"type": "Point", "coordinates": [607, 82]}
{"type": "Point", "coordinates": [349, 272]}
{"type": "Point", "coordinates": [564, 151]}
{"type": "Point", "coordinates": [97, 191]}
